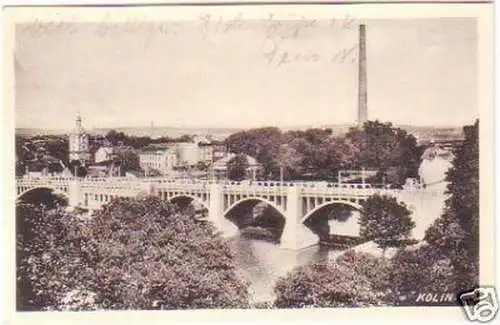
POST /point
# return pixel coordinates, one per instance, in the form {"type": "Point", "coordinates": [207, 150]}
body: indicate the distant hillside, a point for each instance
{"type": "Point", "coordinates": [421, 132]}
{"type": "Point", "coordinates": [30, 132]}
{"type": "Point", "coordinates": [173, 132]}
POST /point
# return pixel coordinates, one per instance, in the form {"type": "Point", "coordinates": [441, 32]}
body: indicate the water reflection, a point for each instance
{"type": "Point", "coordinates": [262, 263]}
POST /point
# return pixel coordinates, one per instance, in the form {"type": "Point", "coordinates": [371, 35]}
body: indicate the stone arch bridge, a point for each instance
{"type": "Point", "coordinates": [296, 201]}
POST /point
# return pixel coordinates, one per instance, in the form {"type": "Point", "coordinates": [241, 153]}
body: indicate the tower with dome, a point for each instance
{"type": "Point", "coordinates": [79, 149]}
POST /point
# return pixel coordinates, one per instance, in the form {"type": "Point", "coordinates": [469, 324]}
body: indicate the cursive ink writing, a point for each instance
{"type": "Point", "coordinates": [48, 27]}
{"type": "Point", "coordinates": [345, 55]}
{"type": "Point", "coordinates": [288, 29]}
{"type": "Point", "coordinates": [277, 53]}
{"type": "Point", "coordinates": [284, 40]}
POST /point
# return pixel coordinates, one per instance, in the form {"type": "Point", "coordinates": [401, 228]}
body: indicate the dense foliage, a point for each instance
{"type": "Point", "coordinates": [76, 168]}
{"type": "Point", "coordinates": [127, 159]}
{"type": "Point", "coordinates": [131, 254]}
{"type": "Point", "coordinates": [116, 138]}
{"type": "Point", "coordinates": [237, 167]}
{"type": "Point", "coordinates": [417, 271]}
{"type": "Point", "coordinates": [353, 280]}
{"type": "Point", "coordinates": [40, 152]}
{"type": "Point", "coordinates": [390, 150]}
{"type": "Point", "coordinates": [43, 254]}
{"type": "Point", "coordinates": [455, 235]}
{"type": "Point", "coordinates": [360, 280]}
{"type": "Point", "coordinates": [385, 221]}
{"type": "Point", "coordinates": [317, 154]}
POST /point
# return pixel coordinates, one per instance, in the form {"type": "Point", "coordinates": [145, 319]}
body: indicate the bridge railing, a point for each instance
{"type": "Point", "coordinates": [159, 181]}
{"type": "Point", "coordinates": [40, 178]}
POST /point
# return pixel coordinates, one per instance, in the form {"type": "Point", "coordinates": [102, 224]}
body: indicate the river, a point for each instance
{"type": "Point", "coordinates": [261, 263]}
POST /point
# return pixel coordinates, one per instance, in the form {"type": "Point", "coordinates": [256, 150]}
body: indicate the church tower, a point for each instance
{"type": "Point", "coordinates": [79, 143]}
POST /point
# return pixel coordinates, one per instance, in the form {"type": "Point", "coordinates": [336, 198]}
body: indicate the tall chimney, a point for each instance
{"type": "Point", "coordinates": [362, 91]}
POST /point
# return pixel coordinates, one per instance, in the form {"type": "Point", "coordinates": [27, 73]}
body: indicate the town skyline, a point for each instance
{"type": "Point", "coordinates": [417, 70]}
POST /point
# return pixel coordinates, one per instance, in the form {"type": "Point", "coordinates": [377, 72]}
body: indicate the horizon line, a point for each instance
{"type": "Point", "coordinates": [296, 126]}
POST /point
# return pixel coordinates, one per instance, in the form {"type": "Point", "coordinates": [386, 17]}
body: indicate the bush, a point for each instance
{"type": "Point", "coordinates": [375, 269]}
{"type": "Point", "coordinates": [354, 280]}
{"type": "Point", "coordinates": [420, 271]}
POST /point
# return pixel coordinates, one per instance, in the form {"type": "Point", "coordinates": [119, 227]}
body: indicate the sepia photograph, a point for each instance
{"type": "Point", "coordinates": [247, 158]}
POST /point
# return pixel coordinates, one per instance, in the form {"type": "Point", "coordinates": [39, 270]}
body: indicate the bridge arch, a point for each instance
{"type": "Point", "coordinates": [354, 205]}
{"type": "Point", "coordinates": [54, 190]}
{"type": "Point", "coordinates": [256, 198]}
{"type": "Point", "coordinates": [189, 196]}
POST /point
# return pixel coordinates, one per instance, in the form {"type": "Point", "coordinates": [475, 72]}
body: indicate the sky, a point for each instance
{"type": "Point", "coordinates": [245, 74]}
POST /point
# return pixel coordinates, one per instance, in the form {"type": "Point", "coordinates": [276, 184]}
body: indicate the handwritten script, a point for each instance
{"type": "Point", "coordinates": [282, 42]}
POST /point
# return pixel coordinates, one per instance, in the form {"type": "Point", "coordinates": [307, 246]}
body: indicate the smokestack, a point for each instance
{"type": "Point", "coordinates": [362, 91]}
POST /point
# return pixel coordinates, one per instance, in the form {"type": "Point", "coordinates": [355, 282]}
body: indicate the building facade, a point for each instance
{"type": "Point", "coordinates": [220, 167]}
{"type": "Point", "coordinates": [79, 148]}
{"type": "Point", "coordinates": [189, 154]}
{"type": "Point", "coordinates": [162, 161]}
{"type": "Point", "coordinates": [206, 153]}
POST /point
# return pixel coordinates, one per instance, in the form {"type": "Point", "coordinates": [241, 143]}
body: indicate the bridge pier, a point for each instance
{"type": "Point", "coordinates": [296, 235]}
{"type": "Point", "coordinates": [216, 212]}
{"type": "Point", "coordinates": [74, 197]}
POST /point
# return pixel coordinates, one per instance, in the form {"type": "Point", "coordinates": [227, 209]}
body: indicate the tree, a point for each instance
{"type": "Point", "coordinates": [20, 168]}
{"type": "Point", "coordinates": [127, 159]}
{"type": "Point", "coordinates": [23, 148]}
{"type": "Point", "coordinates": [59, 149]}
{"type": "Point", "coordinates": [173, 260]}
{"type": "Point", "coordinates": [76, 168]}
{"type": "Point", "coordinates": [383, 147]}
{"type": "Point", "coordinates": [354, 280]}
{"type": "Point", "coordinates": [420, 271]}
{"type": "Point", "coordinates": [184, 138]}
{"type": "Point", "coordinates": [385, 221]}
{"type": "Point", "coordinates": [316, 154]}
{"type": "Point", "coordinates": [262, 143]}
{"type": "Point", "coordinates": [291, 161]}
{"type": "Point", "coordinates": [456, 233]}
{"type": "Point", "coordinates": [136, 254]}
{"type": "Point", "coordinates": [237, 167]}
{"type": "Point", "coordinates": [116, 138]}
{"type": "Point", "coordinates": [46, 256]}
